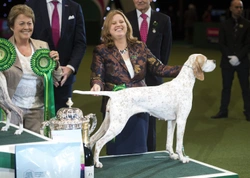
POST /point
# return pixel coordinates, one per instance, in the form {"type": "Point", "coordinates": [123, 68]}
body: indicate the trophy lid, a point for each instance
{"type": "Point", "coordinates": [70, 119]}
{"type": "Point", "coordinates": [69, 113]}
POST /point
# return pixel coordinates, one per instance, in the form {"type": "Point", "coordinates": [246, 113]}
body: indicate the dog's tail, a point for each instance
{"type": "Point", "coordinates": [100, 93]}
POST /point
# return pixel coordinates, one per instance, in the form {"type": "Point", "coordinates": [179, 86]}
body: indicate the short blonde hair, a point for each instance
{"type": "Point", "coordinates": [17, 10]}
{"type": "Point", "coordinates": [106, 37]}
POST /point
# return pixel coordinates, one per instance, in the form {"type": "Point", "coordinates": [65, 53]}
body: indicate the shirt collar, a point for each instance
{"type": "Point", "coordinates": [148, 12]}
{"type": "Point", "coordinates": [48, 1]}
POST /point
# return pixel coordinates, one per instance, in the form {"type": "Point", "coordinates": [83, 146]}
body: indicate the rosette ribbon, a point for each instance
{"type": "Point", "coordinates": [43, 65]}
{"type": "Point", "coordinates": [7, 59]}
{"type": "Point", "coordinates": [119, 87]}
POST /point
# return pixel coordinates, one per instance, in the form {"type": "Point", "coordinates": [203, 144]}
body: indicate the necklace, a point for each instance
{"type": "Point", "coordinates": [123, 51]}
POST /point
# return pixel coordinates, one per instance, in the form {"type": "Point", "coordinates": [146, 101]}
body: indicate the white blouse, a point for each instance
{"type": "Point", "coordinates": [29, 92]}
{"type": "Point", "coordinates": [130, 67]}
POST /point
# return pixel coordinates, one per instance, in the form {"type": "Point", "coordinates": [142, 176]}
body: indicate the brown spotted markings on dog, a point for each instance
{"type": "Point", "coordinates": [8, 107]}
{"type": "Point", "coordinates": [170, 101]}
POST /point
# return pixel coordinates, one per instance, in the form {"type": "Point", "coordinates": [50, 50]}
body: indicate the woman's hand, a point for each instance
{"type": "Point", "coordinates": [54, 55]}
{"type": "Point", "coordinates": [96, 87]}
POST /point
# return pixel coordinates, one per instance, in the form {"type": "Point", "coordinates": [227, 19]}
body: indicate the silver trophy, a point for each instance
{"type": "Point", "coordinates": [70, 119]}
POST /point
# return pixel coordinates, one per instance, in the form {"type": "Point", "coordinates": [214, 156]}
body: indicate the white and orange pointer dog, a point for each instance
{"type": "Point", "coordinates": [7, 105]}
{"type": "Point", "coordinates": [171, 101]}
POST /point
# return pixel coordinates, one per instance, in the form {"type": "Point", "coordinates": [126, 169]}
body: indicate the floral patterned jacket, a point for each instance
{"type": "Point", "coordinates": [109, 69]}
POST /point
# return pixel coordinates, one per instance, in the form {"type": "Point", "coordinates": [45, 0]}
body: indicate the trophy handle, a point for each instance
{"type": "Point", "coordinates": [91, 117]}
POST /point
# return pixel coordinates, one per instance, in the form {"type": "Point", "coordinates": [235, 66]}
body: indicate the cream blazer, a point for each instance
{"type": "Point", "coordinates": [14, 74]}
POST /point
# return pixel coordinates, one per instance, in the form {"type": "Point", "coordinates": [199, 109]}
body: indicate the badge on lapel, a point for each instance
{"type": "Point", "coordinates": [154, 26]}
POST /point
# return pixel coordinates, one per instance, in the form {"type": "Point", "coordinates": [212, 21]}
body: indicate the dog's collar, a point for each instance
{"type": "Point", "coordinates": [189, 66]}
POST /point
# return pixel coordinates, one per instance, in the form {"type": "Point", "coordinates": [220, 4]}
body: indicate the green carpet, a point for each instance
{"type": "Point", "coordinates": [6, 138]}
{"type": "Point", "coordinates": [155, 165]}
{"type": "Point", "coordinates": [224, 143]}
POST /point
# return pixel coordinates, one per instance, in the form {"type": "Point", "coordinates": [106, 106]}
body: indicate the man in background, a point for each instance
{"type": "Point", "coordinates": [61, 24]}
{"type": "Point", "coordinates": [190, 18]}
{"type": "Point", "coordinates": [234, 41]}
{"type": "Point", "coordinates": [156, 32]}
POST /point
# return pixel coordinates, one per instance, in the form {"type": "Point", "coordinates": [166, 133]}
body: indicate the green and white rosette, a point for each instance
{"type": "Point", "coordinates": [43, 65]}
{"type": "Point", "coordinates": [7, 59]}
{"type": "Point", "coordinates": [119, 87]}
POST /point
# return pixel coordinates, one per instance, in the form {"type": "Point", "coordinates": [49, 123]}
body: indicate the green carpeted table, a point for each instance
{"type": "Point", "coordinates": [156, 165]}
{"type": "Point", "coordinates": [148, 165]}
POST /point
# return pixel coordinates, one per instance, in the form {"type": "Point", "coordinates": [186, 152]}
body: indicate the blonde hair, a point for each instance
{"type": "Point", "coordinates": [17, 10]}
{"type": "Point", "coordinates": [106, 37]}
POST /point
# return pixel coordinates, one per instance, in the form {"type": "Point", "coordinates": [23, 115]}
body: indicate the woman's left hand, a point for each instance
{"type": "Point", "coordinates": [54, 55]}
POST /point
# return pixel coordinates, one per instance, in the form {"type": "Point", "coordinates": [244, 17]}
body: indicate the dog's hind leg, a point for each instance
{"type": "Point", "coordinates": [99, 145]}
{"type": "Point", "coordinates": [19, 114]}
{"type": "Point", "coordinates": [101, 131]}
{"type": "Point", "coordinates": [115, 127]}
{"type": "Point", "coordinates": [170, 139]}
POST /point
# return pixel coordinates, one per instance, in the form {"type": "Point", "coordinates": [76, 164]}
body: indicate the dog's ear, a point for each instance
{"type": "Point", "coordinates": [197, 67]}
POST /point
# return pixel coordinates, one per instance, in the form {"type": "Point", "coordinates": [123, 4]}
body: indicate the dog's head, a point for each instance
{"type": "Point", "coordinates": [201, 64]}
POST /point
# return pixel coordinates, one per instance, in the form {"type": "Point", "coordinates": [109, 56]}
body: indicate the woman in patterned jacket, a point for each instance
{"type": "Point", "coordinates": [123, 60]}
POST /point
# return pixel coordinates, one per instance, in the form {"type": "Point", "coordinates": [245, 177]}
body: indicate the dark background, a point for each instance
{"type": "Point", "coordinates": [179, 7]}
{"type": "Point", "coordinates": [5, 5]}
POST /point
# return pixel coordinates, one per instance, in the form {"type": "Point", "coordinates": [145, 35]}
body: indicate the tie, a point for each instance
{"type": "Point", "coordinates": [144, 28]}
{"type": "Point", "coordinates": [55, 24]}
{"type": "Point", "coordinates": [236, 25]}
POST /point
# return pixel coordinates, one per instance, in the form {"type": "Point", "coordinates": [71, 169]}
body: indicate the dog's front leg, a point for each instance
{"type": "Point", "coordinates": [179, 142]}
{"type": "Point", "coordinates": [170, 138]}
{"type": "Point", "coordinates": [20, 130]}
{"type": "Point", "coordinates": [19, 114]}
{"type": "Point", "coordinates": [8, 117]}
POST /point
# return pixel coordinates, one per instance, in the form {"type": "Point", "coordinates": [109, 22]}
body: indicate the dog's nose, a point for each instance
{"type": "Point", "coordinates": [214, 61]}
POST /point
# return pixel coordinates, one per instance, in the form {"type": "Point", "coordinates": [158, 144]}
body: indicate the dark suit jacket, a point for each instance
{"type": "Point", "coordinates": [232, 43]}
{"type": "Point", "coordinates": [72, 44]}
{"type": "Point", "coordinates": [159, 43]}
{"type": "Point", "coordinates": [109, 69]}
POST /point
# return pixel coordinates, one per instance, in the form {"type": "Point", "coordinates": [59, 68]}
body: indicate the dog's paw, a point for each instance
{"type": "Point", "coordinates": [185, 159]}
{"type": "Point", "coordinates": [5, 128]}
{"type": "Point", "coordinates": [174, 156]}
{"type": "Point", "coordinates": [18, 132]}
{"type": "Point", "coordinates": [98, 164]}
